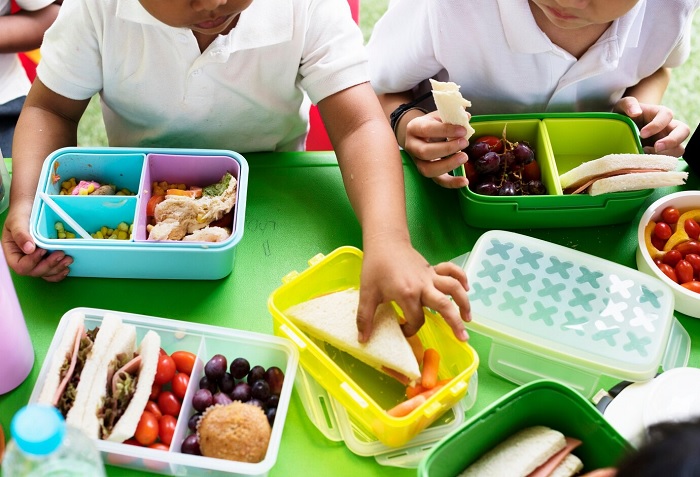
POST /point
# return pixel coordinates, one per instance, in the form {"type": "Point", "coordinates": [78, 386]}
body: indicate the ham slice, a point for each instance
{"type": "Point", "coordinates": [605, 175]}
{"type": "Point", "coordinates": [73, 360]}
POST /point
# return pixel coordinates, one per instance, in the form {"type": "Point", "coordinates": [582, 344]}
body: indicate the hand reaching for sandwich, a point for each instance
{"type": "Point", "coordinates": [398, 272]}
{"type": "Point", "coordinates": [659, 131]}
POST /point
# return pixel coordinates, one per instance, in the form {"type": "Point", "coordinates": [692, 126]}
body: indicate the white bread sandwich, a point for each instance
{"type": "Point", "coordinates": [536, 451]}
{"type": "Point", "coordinates": [66, 382]}
{"type": "Point", "coordinates": [451, 105]}
{"type": "Point", "coordinates": [102, 385]}
{"type": "Point", "coordinates": [623, 172]}
{"type": "Point", "coordinates": [332, 318]}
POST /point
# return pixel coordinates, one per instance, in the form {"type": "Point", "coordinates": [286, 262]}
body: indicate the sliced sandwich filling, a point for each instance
{"type": "Point", "coordinates": [577, 189]}
{"type": "Point", "coordinates": [122, 378]}
{"type": "Point", "coordinates": [72, 368]}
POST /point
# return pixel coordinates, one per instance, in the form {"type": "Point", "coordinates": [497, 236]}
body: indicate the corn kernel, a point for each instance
{"type": "Point", "coordinates": [61, 235]}
{"type": "Point", "coordinates": [70, 235]}
{"type": "Point", "coordinates": [58, 226]}
{"type": "Point", "coordinates": [98, 235]}
{"type": "Point", "coordinates": [121, 235]}
{"type": "Point", "coordinates": [122, 226]}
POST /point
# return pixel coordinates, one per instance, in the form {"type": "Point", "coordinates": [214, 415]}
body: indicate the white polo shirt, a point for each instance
{"type": "Point", "coordinates": [504, 63]}
{"type": "Point", "coordinates": [13, 78]}
{"type": "Point", "coordinates": [244, 92]}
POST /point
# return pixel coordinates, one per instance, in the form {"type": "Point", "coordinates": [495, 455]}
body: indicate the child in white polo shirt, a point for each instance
{"type": "Point", "coordinates": [229, 74]}
{"type": "Point", "coordinates": [22, 31]}
{"type": "Point", "coordinates": [519, 56]}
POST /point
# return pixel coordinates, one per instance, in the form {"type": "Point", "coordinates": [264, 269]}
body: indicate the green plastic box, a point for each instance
{"type": "Point", "coordinates": [542, 402]}
{"type": "Point", "coordinates": [561, 141]}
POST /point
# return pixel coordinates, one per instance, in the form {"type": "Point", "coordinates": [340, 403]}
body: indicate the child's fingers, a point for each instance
{"type": "Point", "coordinates": [662, 119]}
{"type": "Point", "coordinates": [413, 312]}
{"type": "Point", "coordinates": [451, 182]}
{"type": "Point", "coordinates": [452, 315]}
{"type": "Point", "coordinates": [628, 106]}
{"type": "Point", "coordinates": [451, 270]}
{"type": "Point", "coordinates": [438, 167]}
{"type": "Point", "coordinates": [365, 315]}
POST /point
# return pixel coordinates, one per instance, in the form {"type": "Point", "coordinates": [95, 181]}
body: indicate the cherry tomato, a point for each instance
{"type": "Point", "coordinates": [166, 369]}
{"type": "Point", "coordinates": [495, 143]}
{"type": "Point", "coordinates": [694, 260]}
{"type": "Point", "coordinates": [662, 230]}
{"type": "Point", "coordinates": [155, 391]}
{"type": "Point", "coordinates": [147, 429]}
{"type": "Point", "coordinates": [684, 271]}
{"type": "Point", "coordinates": [151, 204]}
{"type": "Point", "coordinates": [153, 408]}
{"type": "Point", "coordinates": [670, 215]}
{"type": "Point", "coordinates": [470, 172]}
{"type": "Point", "coordinates": [169, 404]}
{"type": "Point", "coordinates": [184, 361]}
{"type": "Point", "coordinates": [692, 228]}
{"type": "Point", "coordinates": [669, 272]}
{"type": "Point", "coordinates": [691, 246]}
{"type": "Point", "coordinates": [657, 242]}
{"type": "Point", "coordinates": [159, 446]}
{"type": "Point", "coordinates": [531, 172]}
{"type": "Point", "coordinates": [166, 429]}
{"type": "Point", "coordinates": [672, 257]}
{"type": "Point", "coordinates": [179, 385]}
{"type": "Point", "coordinates": [658, 261]}
{"type": "Point", "coordinates": [692, 286]}
{"type": "Point", "coordinates": [132, 442]}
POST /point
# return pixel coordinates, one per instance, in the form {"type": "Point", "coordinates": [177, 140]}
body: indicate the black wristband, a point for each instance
{"type": "Point", "coordinates": [398, 113]}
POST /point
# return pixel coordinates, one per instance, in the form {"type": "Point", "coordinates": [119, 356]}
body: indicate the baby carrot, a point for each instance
{"type": "Point", "coordinates": [404, 408]}
{"type": "Point", "coordinates": [412, 391]}
{"type": "Point", "coordinates": [431, 363]}
{"type": "Point", "coordinates": [417, 348]}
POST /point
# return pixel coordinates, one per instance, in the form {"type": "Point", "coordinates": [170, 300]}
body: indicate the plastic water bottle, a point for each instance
{"type": "Point", "coordinates": [15, 344]}
{"type": "Point", "coordinates": [42, 445]}
{"type": "Point", "coordinates": [4, 185]}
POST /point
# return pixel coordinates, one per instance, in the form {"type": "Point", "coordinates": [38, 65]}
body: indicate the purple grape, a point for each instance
{"type": "Point", "coordinates": [256, 374]}
{"type": "Point", "coordinates": [192, 422]}
{"type": "Point", "coordinates": [241, 392]}
{"type": "Point", "coordinates": [508, 159]}
{"type": "Point", "coordinates": [508, 188]}
{"type": "Point", "coordinates": [271, 413]}
{"type": "Point", "coordinates": [239, 368]}
{"type": "Point", "coordinates": [191, 445]}
{"type": "Point", "coordinates": [272, 401]}
{"type": "Point", "coordinates": [523, 153]}
{"type": "Point", "coordinates": [260, 390]}
{"type": "Point", "coordinates": [222, 398]}
{"type": "Point", "coordinates": [275, 378]}
{"type": "Point", "coordinates": [226, 383]}
{"type": "Point", "coordinates": [536, 188]}
{"type": "Point", "coordinates": [257, 402]}
{"type": "Point", "coordinates": [486, 188]}
{"type": "Point", "coordinates": [488, 163]}
{"type": "Point", "coordinates": [216, 367]}
{"type": "Point", "coordinates": [206, 383]}
{"type": "Point", "coordinates": [202, 399]}
{"type": "Point", "coordinates": [477, 150]}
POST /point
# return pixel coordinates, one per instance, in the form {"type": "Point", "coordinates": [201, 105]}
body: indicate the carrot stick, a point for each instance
{"type": "Point", "coordinates": [431, 363]}
{"type": "Point", "coordinates": [406, 407]}
{"type": "Point", "coordinates": [417, 348]}
{"type": "Point", "coordinates": [412, 391]}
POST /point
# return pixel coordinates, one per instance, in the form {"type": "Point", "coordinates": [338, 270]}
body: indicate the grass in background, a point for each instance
{"type": "Point", "coordinates": [682, 95]}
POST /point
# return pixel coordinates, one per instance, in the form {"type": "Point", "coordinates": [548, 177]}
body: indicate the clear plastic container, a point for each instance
{"type": "Point", "coordinates": [43, 445]}
{"type": "Point", "coordinates": [15, 343]}
{"type": "Point", "coordinates": [4, 185]}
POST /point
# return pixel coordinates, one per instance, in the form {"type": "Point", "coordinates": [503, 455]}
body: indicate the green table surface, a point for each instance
{"type": "Point", "coordinates": [297, 208]}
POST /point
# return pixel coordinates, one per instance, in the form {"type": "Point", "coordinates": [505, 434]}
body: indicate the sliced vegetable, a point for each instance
{"type": "Point", "coordinates": [406, 407]}
{"type": "Point", "coordinates": [429, 373]}
{"type": "Point", "coordinates": [151, 204]}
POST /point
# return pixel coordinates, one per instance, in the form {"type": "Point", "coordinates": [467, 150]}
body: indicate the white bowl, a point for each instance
{"type": "Point", "coordinates": [686, 301]}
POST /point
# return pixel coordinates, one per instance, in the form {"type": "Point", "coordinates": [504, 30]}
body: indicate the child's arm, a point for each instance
{"type": "Point", "coordinates": [48, 122]}
{"type": "Point", "coordinates": [372, 171]}
{"type": "Point", "coordinates": [424, 138]}
{"type": "Point", "coordinates": [24, 30]}
{"type": "Point", "coordinates": [661, 133]}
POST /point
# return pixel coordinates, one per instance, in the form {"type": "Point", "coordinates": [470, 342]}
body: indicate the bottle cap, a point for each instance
{"type": "Point", "coordinates": [38, 429]}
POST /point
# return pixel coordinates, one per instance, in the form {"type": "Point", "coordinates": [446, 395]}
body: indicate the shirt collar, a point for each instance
{"type": "Point", "coordinates": [263, 23]}
{"type": "Point", "coordinates": [524, 36]}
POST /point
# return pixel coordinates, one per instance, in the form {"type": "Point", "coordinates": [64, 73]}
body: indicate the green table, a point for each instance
{"type": "Point", "coordinates": [297, 208]}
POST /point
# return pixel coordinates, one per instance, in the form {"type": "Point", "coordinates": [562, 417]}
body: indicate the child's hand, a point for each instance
{"type": "Point", "coordinates": [426, 141]}
{"type": "Point", "coordinates": [660, 132]}
{"type": "Point", "coordinates": [24, 257]}
{"type": "Point", "coordinates": [400, 273]}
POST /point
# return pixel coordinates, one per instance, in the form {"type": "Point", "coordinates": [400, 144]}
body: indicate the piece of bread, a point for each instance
{"type": "Point", "coordinates": [451, 105]}
{"type": "Point", "coordinates": [571, 466]}
{"type": "Point", "coordinates": [518, 455]}
{"type": "Point", "coordinates": [120, 339]}
{"type": "Point", "coordinates": [332, 318]}
{"type": "Point", "coordinates": [74, 327]}
{"type": "Point", "coordinates": [616, 162]}
{"type": "Point", "coordinates": [149, 351]}
{"type": "Point", "coordinates": [637, 181]}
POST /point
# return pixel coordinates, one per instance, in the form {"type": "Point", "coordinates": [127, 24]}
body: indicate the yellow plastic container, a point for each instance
{"type": "Point", "coordinates": [365, 393]}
